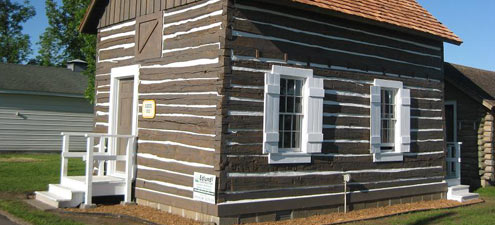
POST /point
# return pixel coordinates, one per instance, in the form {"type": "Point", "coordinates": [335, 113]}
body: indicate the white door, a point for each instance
{"type": "Point", "coordinates": [123, 113]}
{"type": "Point", "coordinates": [453, 157]}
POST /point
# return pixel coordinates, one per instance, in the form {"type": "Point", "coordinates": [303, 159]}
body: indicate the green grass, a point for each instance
{"type": "Point", "coordinates": [33, 172]}
{"type": "Point", "coordinates": [24, 173]}
{"type": "Point", "coordinates": [479, 214]}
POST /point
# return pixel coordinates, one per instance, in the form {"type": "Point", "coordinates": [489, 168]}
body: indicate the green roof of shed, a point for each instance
{"type": "Point", "coordinates": [33, 78]}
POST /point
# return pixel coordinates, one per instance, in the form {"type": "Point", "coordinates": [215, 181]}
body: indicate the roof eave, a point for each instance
{"type": "Point", "coordinates": [89, 23]}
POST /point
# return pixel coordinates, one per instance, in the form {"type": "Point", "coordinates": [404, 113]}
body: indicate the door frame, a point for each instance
{"type": "Point", "coordinates": [116, 75]}
{"type": "Point", "coordinates": [453, 181]}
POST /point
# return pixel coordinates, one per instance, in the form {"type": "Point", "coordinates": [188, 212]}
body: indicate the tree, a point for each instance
{"type": "Point", "coordinates": [14, 45]}
{"type": "Point", "coordinates": [62, 40]}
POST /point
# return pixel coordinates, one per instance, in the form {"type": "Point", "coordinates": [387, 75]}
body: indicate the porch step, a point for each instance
{"type": "Point", "coordinates": [57, 201]}
{"type": "Point", "coordinates": [461, 193]}
{"type": "Point", "coordinates": [70, 192]}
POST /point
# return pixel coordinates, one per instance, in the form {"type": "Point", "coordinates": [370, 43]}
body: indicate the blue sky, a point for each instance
{"type": "Point", "coordinates": [472, 20]}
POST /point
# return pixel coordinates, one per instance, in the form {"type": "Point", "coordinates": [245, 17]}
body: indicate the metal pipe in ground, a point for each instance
{"type": "Point", "coordinates": [347, 178]}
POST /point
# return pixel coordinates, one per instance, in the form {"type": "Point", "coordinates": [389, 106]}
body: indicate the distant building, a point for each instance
{"type": "Point", "coordinates": [37, 103]}
{"type": "Point", "coordinates": [469, 112]}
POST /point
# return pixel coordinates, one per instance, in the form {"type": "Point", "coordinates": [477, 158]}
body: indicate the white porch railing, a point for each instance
{"type": "Point", "coordinates": [102, 156]}
{"type": "Point", "coordinates": [453, 159]}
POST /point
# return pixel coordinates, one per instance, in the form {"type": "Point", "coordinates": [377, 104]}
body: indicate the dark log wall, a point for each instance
{"type": "Point", "coordinates": [470, 128]}
{"type": "Point", "coordinates": [123, 10]}
{"type": "Point", "coordinates": [348, 56]}
{"type": "Point", "coordinates": [185, 82]}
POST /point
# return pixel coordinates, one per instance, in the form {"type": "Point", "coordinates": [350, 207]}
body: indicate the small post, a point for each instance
{"type": "Point", "coordinates": [347, 178]}
{"type": "Point", "coordinates": [65, 148]}
{"type": "Point", "coordinates": [89, 171]}
{"type": "Point", "coordinates": [101, 163]}
{"type": "Point", "coordinates": [128, 169]}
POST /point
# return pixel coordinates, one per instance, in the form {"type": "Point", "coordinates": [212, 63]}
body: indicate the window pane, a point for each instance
{"type": "Point", "coordinates": [281, 139]}
{"type": "Point", "coordinates": [280, 122]}
{"type": "Point", "coordinates": [290, 104]}
{"type": "Point", "coordinates": [384, 131]}
{"type": "Point", "coordinates": [287, 136]}
{"type": "Point", "coordinates": [290, 87]}
{"type": "Point", "coordinates": [298, 87]}
{"type": "Point", "coordinates": [283, 86]}
{"type": "Point", "coordinates": [287, 122]}
{"type": "Point", "coordinates": [296, 123]}
{"type": "Point", "coordinates": [282, 104]}
{"type": "Point", "coordinates": [298, 104]}
{"type": "Point", "coordinates": [296, 139]}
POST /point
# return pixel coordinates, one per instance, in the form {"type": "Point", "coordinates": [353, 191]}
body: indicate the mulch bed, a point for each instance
{"type": "Point", "coordinates": [154, 216]}
{"type": "Point", "coordinates": [145, 213]}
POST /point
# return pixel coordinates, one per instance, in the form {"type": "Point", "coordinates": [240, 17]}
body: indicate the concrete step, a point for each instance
{"type": "Point", "coordinates": [463, 197]}
{"type": "Point", "coordinates": [60, 197]}
{"type": "Point", "coordinates": [461, 193]}
{"type": "Point", "coordinates": [49, 198]}
{"type": "Point", "coordinates": [459, 189]}
{"type": "Point", "coordinates": [63, 191]}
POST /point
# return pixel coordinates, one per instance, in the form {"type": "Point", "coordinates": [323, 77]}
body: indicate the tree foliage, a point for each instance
{"type": "Point", "coordinates": [14, 45]}
{"type": "Point", "coordinates": [62, 40]}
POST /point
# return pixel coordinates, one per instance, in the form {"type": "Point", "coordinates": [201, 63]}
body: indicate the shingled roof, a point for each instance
{"type": "Point", "coordinates": [478, 83]}
{"type": "Point", "coordinates": [404, 14]}
{"type": "Point", "coordinates": [33, 78]}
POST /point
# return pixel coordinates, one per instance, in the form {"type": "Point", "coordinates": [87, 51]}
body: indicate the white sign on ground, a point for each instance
{"type": "Point", "coordinates": [204, 187]}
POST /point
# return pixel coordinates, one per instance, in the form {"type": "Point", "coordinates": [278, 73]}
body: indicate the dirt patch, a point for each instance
{"type": "Point", "coordinates": [372, 213]}
{"type": "Point", "coordinates": [142, 212]}
{"type": "Point", "coordinates": [20, 160]}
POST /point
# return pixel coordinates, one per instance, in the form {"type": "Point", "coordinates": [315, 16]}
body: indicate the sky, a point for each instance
{"type": "Point", "coordinates": [472, 20]}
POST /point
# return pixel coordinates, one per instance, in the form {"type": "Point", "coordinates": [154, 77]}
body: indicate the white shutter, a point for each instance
{"type": "Point", "coordinates": [375, 116]}
{"type": "Point", "coordinates": [313, 113]}
{"type": "Point", "coordinates": [271, 112]}
{"type": "Point", "coordinates": [405, 120]}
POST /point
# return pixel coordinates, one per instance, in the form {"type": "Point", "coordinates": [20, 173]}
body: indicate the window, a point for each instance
{"type": "Point", "coordinates": [390, 120]}
{"type": "Point", "coordinates": [290, 115]}
{"type": "Point", "coordinates": [293, 115]}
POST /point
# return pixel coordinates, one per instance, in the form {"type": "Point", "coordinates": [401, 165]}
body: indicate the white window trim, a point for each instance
{"type": "Point", "coordinates": [312, 123]}
{"type": "Point", "coordinates": [402, 126]}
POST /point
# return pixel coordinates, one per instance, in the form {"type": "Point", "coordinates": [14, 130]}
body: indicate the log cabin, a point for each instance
{"type": "Point", "coordinates": [469, 112]}
{"type": "Point", "coordinates": [234, 111]}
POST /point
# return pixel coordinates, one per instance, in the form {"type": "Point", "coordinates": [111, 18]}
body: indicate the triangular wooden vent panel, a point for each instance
{"type": "Point", "coordinates": [149, 36]}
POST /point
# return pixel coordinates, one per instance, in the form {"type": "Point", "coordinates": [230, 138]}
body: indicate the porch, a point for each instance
{"type": "Point", "coordinates": [456, 191]}
{"type": "Point", "coordinates": [108, 171]}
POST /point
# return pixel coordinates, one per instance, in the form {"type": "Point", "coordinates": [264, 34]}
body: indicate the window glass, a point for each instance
{"type": "Point", "coordinates": [388, 119]}
{"type": "Point", "coordinates": [290, 117]}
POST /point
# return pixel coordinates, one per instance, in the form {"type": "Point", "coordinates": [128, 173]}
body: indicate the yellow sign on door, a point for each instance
{"type": "Point", "coordinates": [148, 110]}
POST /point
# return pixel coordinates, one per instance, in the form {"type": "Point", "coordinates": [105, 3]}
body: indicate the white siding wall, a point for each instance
{"type": "Point", "coordinates": [40, 121]}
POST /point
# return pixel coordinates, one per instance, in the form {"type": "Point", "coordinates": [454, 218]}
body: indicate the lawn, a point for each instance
{"type": "Point", "coordinates": [21, 174]}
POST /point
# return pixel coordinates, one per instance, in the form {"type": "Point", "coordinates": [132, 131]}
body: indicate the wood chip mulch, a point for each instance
{"type": "Point", "coordinates": [141, 212]}
{"type": "Point", "coordinates": [161, 217]}
{"type": "Point", "coordinates": [372, 213]}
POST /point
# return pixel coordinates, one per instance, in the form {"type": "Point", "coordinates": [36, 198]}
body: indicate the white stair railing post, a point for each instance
{"type": "Point", "coordinates": [458, 155]}
{"type": "Point", "coordinates": [128, 169]}
{"type": "Point", "coordinates": [89, 170]}
{"type": "Point", "coordinates": [101, 163]}
{"type": "Point", "coordinates": [65, 149]}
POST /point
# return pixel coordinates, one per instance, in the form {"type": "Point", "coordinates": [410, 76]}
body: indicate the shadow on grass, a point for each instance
{"type": "Point", "coordinates": [431, 219]}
